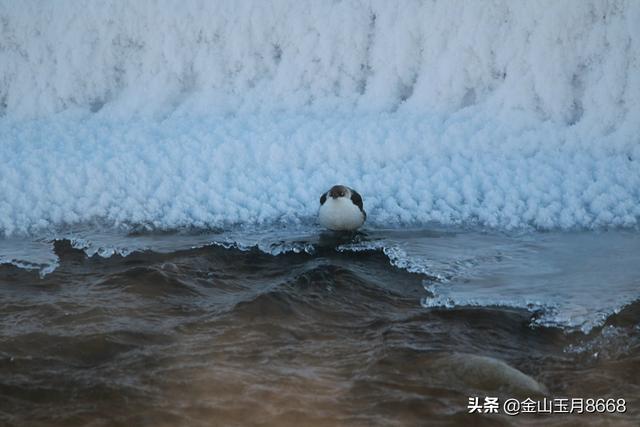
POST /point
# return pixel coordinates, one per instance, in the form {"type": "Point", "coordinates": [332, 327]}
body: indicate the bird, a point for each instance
{"type": "Point", "coordinates": [341, 209]}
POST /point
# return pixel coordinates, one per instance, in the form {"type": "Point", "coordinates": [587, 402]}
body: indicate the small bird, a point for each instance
{"type": "Point", "coordinates": [341, 209]}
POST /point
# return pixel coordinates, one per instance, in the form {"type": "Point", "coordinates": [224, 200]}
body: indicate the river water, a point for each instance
{"type": "Point", "coordinates": [300, 327]}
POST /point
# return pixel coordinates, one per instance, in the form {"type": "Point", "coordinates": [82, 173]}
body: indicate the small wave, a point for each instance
{"type": "Point", "coordinates": [42, 269]}
{"type": "Point", "coordinates": [270, 248]}
{"type": "Point", "coordinates": [103, 251]}
{"type": "Point", "coordinates": [397, 257]}
{"type": "Point", "coordinates": [617, 338]}
{"type": "Point", "coordinates": [543, 313]}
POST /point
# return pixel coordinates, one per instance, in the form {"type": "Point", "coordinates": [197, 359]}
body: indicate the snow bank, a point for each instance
{"type": "Point", "coordinates": [273, 168]}
{"type": "Point", "coordinates": [568, 61]}
{"type": "Point", "coordinates": [214, 113]}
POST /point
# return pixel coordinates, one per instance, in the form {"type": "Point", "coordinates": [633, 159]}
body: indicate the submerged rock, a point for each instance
{"type": "Point", "coordinates": [485, 373]}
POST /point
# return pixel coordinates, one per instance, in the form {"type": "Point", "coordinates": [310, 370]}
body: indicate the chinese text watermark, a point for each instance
{"type": "Point", "coordinates": [559, 405]}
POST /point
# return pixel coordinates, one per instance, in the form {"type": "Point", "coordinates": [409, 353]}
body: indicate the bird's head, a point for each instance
{"type": "Point", "coordinates": [339, 191]}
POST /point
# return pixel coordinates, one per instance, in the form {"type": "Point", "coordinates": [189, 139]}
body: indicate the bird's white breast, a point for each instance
{"type": "Point", "coordinates": [340, 214]}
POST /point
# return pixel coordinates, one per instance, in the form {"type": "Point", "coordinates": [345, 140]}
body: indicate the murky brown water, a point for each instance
{"type": "Point", "coordinates": [216, 336]}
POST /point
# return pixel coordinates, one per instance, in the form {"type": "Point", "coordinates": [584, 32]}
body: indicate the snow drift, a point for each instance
{"type": "Point", "coordinates": [197, 113]}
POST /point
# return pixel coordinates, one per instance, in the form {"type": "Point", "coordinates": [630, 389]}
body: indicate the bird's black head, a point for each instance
{"type": "Point", "coordinates": [338, 191]}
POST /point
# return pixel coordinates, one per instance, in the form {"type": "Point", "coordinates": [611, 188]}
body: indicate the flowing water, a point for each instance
{"type": "Point", "coordinates": [304, 328]}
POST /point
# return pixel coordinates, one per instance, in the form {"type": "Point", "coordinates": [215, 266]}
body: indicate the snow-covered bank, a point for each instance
{"type": "Point", "coordinates": [266, 169]}
{"type": "Point", "coordinates": [570, 61]}
{"type": "Point", "coordinates": [197, 113]}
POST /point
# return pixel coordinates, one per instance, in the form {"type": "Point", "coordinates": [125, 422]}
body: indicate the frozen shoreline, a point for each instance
{"type": "Point", "coordinates": [570, 280]}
